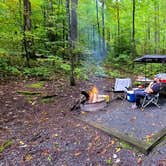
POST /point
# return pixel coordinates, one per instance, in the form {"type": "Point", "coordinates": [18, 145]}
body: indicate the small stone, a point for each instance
{"type": "Point", "coordinates": [115, 156]}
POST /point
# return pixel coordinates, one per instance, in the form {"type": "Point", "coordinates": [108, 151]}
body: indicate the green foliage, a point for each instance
{"type": "Point", "coordinates": [81, 73]}
{"type": "Point", "coordinates": [37, 72]}
{"type": "Point", "coordinates": [113, 73]}
{"type": "Point", "coordinates": [50, 31]}
{"type": "Point", "coordinates": [137, 83]}
{"type": "Point", "coordinates": [8, 70]}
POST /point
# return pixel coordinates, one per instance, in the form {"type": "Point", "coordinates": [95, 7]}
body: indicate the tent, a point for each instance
{"type": "Point", "coordinates": [151, 59]}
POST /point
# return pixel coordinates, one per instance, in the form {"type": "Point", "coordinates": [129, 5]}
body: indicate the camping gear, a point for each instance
{"type": "Point", "coordinates": [131, 96]}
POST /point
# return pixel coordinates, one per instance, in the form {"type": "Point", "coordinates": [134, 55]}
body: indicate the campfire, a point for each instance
{"type": "Point", "coordinates": [92, 100]}
{"type": "Point", "coordinates": [95, 97]}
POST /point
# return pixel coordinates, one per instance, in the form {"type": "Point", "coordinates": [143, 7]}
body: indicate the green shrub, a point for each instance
{"type": "Point", "coordinates": [37, 72]}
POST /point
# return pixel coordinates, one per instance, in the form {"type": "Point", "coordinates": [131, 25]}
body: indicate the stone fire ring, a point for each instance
{"type": "Point", "coordinates": [100, 104]}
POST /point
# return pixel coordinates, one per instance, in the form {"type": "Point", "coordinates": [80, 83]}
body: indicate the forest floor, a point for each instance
{"type": "Point", "coordinates": [38, 128]}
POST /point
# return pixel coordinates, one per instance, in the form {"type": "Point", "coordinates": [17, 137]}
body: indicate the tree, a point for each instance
{"type": "Point", "coordinates": [73, 36]}
{"type": "Point", "coordinates": [103, 26]}
{"type": "Point", "coordinates": [133, 31]}
{"type": "Point", "coordinates": [27, 27]}
{"type": "Point", "coordinates": [98, 26]}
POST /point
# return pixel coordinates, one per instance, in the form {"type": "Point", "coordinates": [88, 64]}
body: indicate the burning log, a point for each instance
{"type": "Point", "coordinates": [90, 99]}
{"type": "Point", "coordinates": [83, 99]}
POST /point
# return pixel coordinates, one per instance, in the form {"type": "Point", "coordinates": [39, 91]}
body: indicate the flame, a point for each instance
{"type": "Point", "coordinates": [93, 95]}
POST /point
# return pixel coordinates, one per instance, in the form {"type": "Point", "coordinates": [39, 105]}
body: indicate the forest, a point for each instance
{"type": "Point", "coordinates": [60, 62]}
{"type": "Point", "coordinates": [39, 38]}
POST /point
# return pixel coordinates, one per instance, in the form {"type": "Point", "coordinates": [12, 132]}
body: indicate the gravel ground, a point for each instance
{"type": "Point", "coordinates": [37, 130]}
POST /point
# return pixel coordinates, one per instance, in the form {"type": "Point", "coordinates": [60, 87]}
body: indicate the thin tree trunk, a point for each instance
{"type": "Point", "coordinates": [118, 27]}
{"type": "Point", "coordinates": [73, 38]}
{"type": "Point", "coordinates": [156, 33]}
{"type": "Point", "coordinates": [98, 26]}
{"type": "Point", "coordinates": [68, 23]}
{"type": "Point", "coordinates": [63, 28]}
{"type": "Point", "coordinates": [93, 36]}
{"type": "Point", "coordinates": [103, 27]}
{"type": "Point", "coordinates": [133, 32]}
{"type": "Point", "coordinates": [21, 23]}
{"type": "Point", "coordinates": [27, 41]}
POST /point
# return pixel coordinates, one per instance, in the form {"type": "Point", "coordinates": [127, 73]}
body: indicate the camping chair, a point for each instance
{"type": "Point", "coordinates": [150, 98]}
{"type": "Point", "coordinates": [120, 88]}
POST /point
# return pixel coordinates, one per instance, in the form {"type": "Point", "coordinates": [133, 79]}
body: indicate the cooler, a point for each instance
{"type": "Point", "coordinates": [131, 96]}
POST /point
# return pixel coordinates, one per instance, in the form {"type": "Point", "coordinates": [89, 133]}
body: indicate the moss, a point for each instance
{"type": "Point", "coordinates": [37, 85]}
{"type": "Point", "coordinates": [5, 145]}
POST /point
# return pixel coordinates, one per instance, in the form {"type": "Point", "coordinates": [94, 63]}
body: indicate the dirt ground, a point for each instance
{"type": "Point", "coordinates": [39, 129]}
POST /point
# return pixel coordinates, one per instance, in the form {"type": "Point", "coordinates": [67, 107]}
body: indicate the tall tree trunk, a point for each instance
{"type": "Point", "coordinates": [27, 41]}
{"type": "Point", "coordinates": [68, 23]}
{"type": "Point", "coordinates": [103, 27]}
{"type": "Point", "coordinates": [63, 27]}
{"type": "Point", "coordinates": [98, 26]}
{"type": "Point", "coordinates": [133, 31]}
{"type": "Point", "coordinates": [118, 27]}
{"type": "Point", "coordinates": [156, 33]}
{"type": "Point", "coordinates": [21, 23]}
{"type": "Point", "coordinates": [73, 36]}
{"type": "Point", "coordinates": [93, 37]}
{"type": "Point", "coordinates": [148, 37]}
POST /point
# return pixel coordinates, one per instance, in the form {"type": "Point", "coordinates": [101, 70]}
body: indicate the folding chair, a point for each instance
{"type": "Point", "coordinates": [150, 98]}
{"type": "Point", "coordinates": [120, 87]}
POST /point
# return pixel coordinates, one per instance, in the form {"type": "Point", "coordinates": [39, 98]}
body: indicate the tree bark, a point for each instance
{"type": "Point", "coordinates": [103, 27]}
{"type": "Point", "coordinates": [133, 32]}
{"type": "Point", "coordinates": [27, 40]}
{"type": "Point", "coordinates": [98, 26]}
{"type": "Point", "coordinates": [73, 36]}
{"type": "Point", "coordinates": [118, 27]}
{"type": "Point", "coordinates": [156, 33]}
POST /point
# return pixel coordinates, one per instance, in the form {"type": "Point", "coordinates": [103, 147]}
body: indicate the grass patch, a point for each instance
{"type": "Point", "coordinates": [36, 85]}
{"type": "Point", "coordinates": [5, 145]}
{"type": "Point", "coordinates": [125, 145]}
{"type": "Point", "coordinates": [47, 100]}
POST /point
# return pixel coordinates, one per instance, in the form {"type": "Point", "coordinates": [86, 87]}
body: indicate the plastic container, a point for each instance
{"type": "Point", "coordinates": [131, 96]}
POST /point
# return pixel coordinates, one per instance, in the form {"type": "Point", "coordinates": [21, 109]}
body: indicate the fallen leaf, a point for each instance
{"type": "Point", "coordinates": [104, 151]}
{"type": "Point", "coordinates": [109, 161]}
{"type": "Point", "coordinates": [78, 125]}
{"type": "Point", "coordinates": [49, 158]}
{"type": "Point", "coordinates": [117, 160]}
{"type": "Point", "coordinates": [33, 103]}
{"type": "Point", "coordinates": [117, 149]}
{"type": "Point", "coordinates": [55, 135]}
{"type": "Point", "coordinates": [28, 157]}
{"type": "Point", "coordinates": [21, 142]}
{"type": "Point", "coordinates": [77, 154]}
{"type": "Point", "coordinates": [85, 128]}
{"type": "Point", "coordinates": [97, 138]}
{"type": "Point", "coordinates": [89, 146]}
{"type": "Point", "coordinates": [112, 142]}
